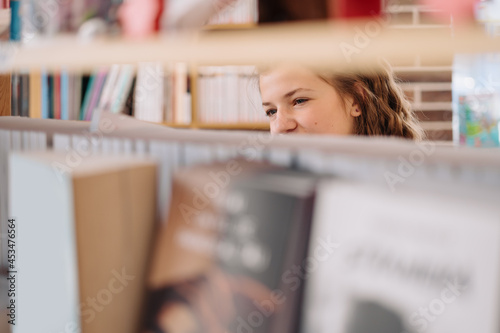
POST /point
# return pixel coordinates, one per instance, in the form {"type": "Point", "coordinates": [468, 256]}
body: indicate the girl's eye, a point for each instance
{"type": "Point", "coordinates": [270, 112]}
{"type": "Point", "coordinates": [300, 101]}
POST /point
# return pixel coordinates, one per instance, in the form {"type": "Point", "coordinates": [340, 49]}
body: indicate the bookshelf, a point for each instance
{"type": "Point", "coordinates": [316, 44]}
{"type": "Point", "coordinates": [433, 188]}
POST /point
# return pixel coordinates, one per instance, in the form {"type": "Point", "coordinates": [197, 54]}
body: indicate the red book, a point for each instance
{"type": "Point", "coordinates": [57, 96]}
{"type": "Point", "coordinates": [344, 9]}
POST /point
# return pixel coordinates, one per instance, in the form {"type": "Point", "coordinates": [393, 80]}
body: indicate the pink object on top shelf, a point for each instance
{"type": "Point", "coordinates": [139, 18]}
{"type": "Point", "coordinates": [460, 10]}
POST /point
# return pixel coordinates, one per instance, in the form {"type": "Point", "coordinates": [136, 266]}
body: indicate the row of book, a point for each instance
{"type": "Point", "coordinates": [229, 94]}
{"type": "Point", "coordinates": [148, 93]}
{"type": "Point", "coordinates": [61, 95]}
{"type": "Point", "coordinates": [239, 12]}
{"type": "Point", "coordinates": [225, 94]}
{"type": "Point", "coordinates": [260, 234]}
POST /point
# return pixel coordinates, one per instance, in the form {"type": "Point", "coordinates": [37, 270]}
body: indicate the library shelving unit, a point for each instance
{"type": "Point", "coordinates": [446, 192]}
{"type": "Point", "coordinates": [330, 45]}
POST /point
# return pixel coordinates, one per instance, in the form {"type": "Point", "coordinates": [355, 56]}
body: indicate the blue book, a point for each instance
{"type": "Point", "coordinates": [45, 95]}
{"type": "Point", "coordinates": [15, 20]}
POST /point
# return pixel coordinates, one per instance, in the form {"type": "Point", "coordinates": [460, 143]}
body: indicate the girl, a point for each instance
{"type": "Point", "coordinates": [298, 100]}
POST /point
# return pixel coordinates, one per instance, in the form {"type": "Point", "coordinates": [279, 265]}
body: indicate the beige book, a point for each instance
{"type": "Point", "coordinates": [83, 236]}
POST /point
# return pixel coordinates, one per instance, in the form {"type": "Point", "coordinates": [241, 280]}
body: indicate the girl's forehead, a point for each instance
{"type": "Point", "coordinates": [284, 78]}
{"type": "Point", "coordinates": [288, 71]}
{"type": "Point", "coordinates": [289, 75]}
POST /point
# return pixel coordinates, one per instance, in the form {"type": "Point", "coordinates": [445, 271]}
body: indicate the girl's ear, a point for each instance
{"type": "Point", "coordinates": [354, 108]}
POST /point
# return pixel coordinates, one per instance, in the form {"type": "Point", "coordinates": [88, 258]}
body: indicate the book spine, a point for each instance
{"type": "Point", "coordinates": [57, 96]}
{"type": "Point", "coordinates": [101, 76]}
{"type": "Point", "coordinates": [35, 91]}
{"type": "Point", "coordinates": [123, 85]}
{"type": "Point", "coordinates": [88, 94]}
{"type": "Point", "coordinates": [24, 95]}
{"type": "Point", "coordinates": [51, 95]}
{"type": "Point", "coordinates": [77, 97]}
{"type": "Point", "coordinates": [44, 98]}
{"type": "Point", "coordinates": [14, 104]}
{"type": "Point", "coordinates": [109, 85]}
{"type": "Point", "coordinates": [15, 21]}
{"type": "Point", "coordinates": [64, 95]}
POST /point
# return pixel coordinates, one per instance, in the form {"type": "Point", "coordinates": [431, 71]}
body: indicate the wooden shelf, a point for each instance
{"type": "Point", "coordinates": [222, 126]}
{"type": "Point", "coordinates": [230, 26]}
{"type": "Point", "coordinates": [335, 45]}
{"type": "Point", "coordinates": [237, 126]}
{"type": "Point", "coordinates": [176, 125]}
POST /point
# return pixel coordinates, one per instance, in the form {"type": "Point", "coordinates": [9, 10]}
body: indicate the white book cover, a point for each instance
{"type": "Point", "coordinates": [181, 73]}
{"type": "Point", "coordinates": [402, 262]}
{"type": "Point", "coordinates": [109, 85]}
{"type": "Point", "coordinates": [43, 232]}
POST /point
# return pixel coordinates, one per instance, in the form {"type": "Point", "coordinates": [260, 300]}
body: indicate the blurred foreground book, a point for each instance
{"type": "Point", "coordinates": [84, 230]}
{"type": "Point", "coordinates": [411, 261]}
{"type": "Point", "coordinates": [233, 231]}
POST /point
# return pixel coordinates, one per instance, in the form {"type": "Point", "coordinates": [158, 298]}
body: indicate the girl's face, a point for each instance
{"type": "Point", "coordinates": [296, 100]}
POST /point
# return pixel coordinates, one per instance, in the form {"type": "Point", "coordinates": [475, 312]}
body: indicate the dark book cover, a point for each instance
{"type": "Point", "coordinates": [228, 258]}
{"type": "Point", "coordinates": [24, 95]}
{"type": "Point", "coordinates": [291, 10]}
{"type": "Point", "coordinates": [51, 96]}
{"type": "Point", "coordinates": [129, 104]}
{"type": "Point", "coordinates": [15, 88]}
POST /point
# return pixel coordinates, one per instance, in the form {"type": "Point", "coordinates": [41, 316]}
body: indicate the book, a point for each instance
{"type": "Point", "coordinates": [122, 88]}
{"type": "Point", "coordinates": [35, 98]}
{"type": "Point", "coordinates": [50, 96]}
{"type": "Point", "coordinates": [419, 260]}
{"type": "Point", "coordinates": [89, 88]}
{"type": "Point", "coordinates": [111, 81]}
{"type": "Point", "coordinates": [149, 98]}
{"type": "Point", "coordinates": [228, 94]}
{"type": "Point", "coordinates": [96, 93]}
{"type": "Point", "coordinates": [65, 94]}
{"type": "Point", "coordinates": [57, 95]}
{"type": "Point", "coordinates": [220, 257]}
{"type": "Point", "coordinates": [44, 91]}
{"type": "Point", "coordinates": [15, 20]}
{"type": "Point", "coordinates": [103, 210]}
{"type": "Point", "coordinates": [15, 89]}
{"type": "Point", "coordinates": [76, 81]}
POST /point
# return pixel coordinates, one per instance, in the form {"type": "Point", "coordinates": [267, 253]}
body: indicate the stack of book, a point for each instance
{"type": "Point", "coordinates": [229, 94]}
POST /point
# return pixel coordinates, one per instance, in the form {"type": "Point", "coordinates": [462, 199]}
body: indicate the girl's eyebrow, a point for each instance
{"type": "Point", "coordinates": [289, 94]}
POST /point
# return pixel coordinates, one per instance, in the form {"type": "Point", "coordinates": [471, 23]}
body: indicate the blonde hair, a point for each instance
{"type": "Point", "coordinates": [384, 107]}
